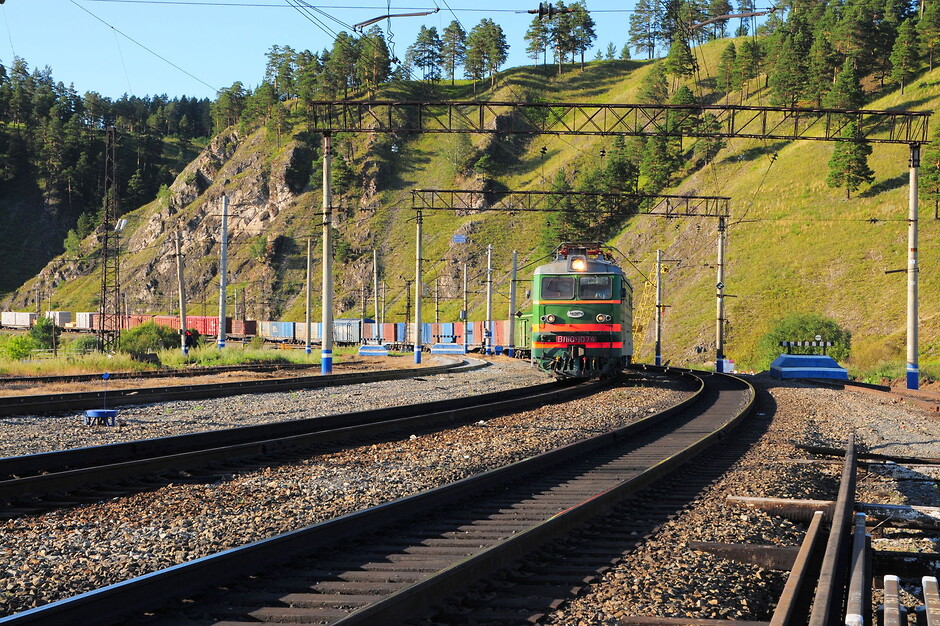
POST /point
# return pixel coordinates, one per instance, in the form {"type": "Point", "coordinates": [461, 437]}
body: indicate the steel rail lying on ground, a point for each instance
{"type": "Point", "coordinates": [71, 402]}
{"type": "Point", "coordinates": [102, 464]}
{"type": "Point", "coordinates": [704, 417]}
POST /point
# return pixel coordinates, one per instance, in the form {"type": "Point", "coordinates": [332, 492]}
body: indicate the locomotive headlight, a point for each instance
{"type": "Point", "coordinates": [578, 265]}
{"type": "Point", "coordinates": [603, 318]}
{"type": "Point", "coordinates": [551, 319]}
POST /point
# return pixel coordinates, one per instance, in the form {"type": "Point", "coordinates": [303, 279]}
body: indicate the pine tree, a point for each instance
{"type": "Point", "coordinates": [717, 8]}
{"type": "Point", "coordinates": [538, 37]}
{"type": "Point", "coordinates": [653, 86]}
{"type": "Point", "coordinates": [905, 58]}
{"type": "Point", "coordinates": [928, 31]}
{"type": "Point", "coordinates": [426, 53]}
{"type": "Point", "coordinates": [658, 164]}
{"type": "Point", "coordinates": [846, 92]}
{"type": "Point", "coordinates": [453, 48]}
{"type": "Point", "coordinates": [822, 64]}
{"type": "Point", "coordinates": [726, 66]}
{"type": "Point", "coordinates": [680, 62]}
{"type": "Point", "coordinates": [643, 35]}
{"type": "Point", "coordinates": [583, 31]}
{"type": "Point", "coordinates": [374, 65]}
{"type": "Point", "coordinates": [848, 166]}
{"type": "Point", "coordinates": [929, 188]}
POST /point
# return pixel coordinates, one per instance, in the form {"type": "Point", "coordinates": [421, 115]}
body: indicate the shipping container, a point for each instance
{"type": "Point", "coordinates": [448, 334]}
{"type": "Point", "coordinates": [401, 332]}
{"type": "Point", "coordinates": [347, 331]}
{"type": "Point", "coordinates": [278, 331]}
{"type": "Point", "coordinates": [85, 320]}
{"type": "Point", "coordinates": [244, 328]}
{"type": "Point", "coordinates": [8, 318]}
{"type": "Point", "coordinates": [136, 320]}
{"type": "Point", "coordinates": [171, 321]}
{"type": "Point", "coordinates": [24, 320]}
{"type": "Point", "coordinates": [387, 332]}
{"type": "Point", "coordinates": [59, 318]}
{"type": "Point", "coordinates": [501, 333]}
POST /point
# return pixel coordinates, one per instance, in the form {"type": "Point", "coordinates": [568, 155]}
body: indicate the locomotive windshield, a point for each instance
{"type": "Point", "coordinates": [595, 287]}
{"type": "Point", "coordinates": [589, 287]}
{"type": "Point", "coordinates": [558, 287]}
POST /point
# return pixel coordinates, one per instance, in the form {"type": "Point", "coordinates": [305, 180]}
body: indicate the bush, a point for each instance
{"type": "Point", "coordinates": [149, 337]}
{"type": "Point", "coordinates": [44, 333]}
{"type": "Point", "coordinates": [19, 347]}
{"type": "Point", "coordinates": [803, 327]}
{"type": "Point", "coordinates": [85, 343]}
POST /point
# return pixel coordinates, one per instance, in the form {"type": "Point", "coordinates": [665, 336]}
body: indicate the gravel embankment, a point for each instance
{"type": "Point", "coordinates": [665, 578]}
{"type": "Point", "coordinates": [55, 555]}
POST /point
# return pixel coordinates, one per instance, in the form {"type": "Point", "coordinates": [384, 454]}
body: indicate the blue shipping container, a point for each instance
{"type": "Point", "coordinates": [447, 333]}
{"type": "Point", "coordinates": [400, 332]}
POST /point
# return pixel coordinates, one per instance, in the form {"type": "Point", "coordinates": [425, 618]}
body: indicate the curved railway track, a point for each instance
{"type": "Point", "coordinates": [28, 482]}
{"type": "Point", "coordinates": [72, 402]}
{"type": "Point", "coordinates": [397, 560]}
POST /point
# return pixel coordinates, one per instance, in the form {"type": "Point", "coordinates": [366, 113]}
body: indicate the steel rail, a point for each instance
{"type": "Point", "coordinates": [423, 595]}
{"type": "Point", "coordinates": [830, 592]}
{"type": "Point", "coordinates": [162, 373]}
{"type": "Point", "coordinates": [207, 448]}
{"type": "Point", "coordinates": [71, 402]}
{"type": "Point", "coordinates": [121, 601]}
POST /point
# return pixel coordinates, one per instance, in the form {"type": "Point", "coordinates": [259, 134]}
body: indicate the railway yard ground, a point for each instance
{"type": "Point", "coordinates": [70, 550]}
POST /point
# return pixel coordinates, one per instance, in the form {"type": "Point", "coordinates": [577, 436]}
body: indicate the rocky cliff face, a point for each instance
{"type": "Point", "coordinates": [242, 169]}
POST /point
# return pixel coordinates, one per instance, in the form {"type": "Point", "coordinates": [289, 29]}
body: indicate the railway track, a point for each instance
{"type": "Point", "coordinates": [72, 402]}
{"type": "Point", "coordinates": [397, 560]}
{"type": "Point", "coordinates": [37, 482]}
{"type": "Point", "coordinates": [162, 373]}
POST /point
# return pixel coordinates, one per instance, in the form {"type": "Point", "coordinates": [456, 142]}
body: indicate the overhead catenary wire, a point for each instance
{"type": "Point", "coordinates": [134, 41]}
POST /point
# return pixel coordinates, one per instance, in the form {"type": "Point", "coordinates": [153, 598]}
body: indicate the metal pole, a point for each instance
{"type": "Point", "coordinates": [488, 333]}
{"type": "Point", "coordinates": [182, 292]}
{"type": "Point", "coordinates": [308, 348]}
{"type": "Point", "coordinates": [375, 293]}
{"type": "Point", "coordinates": [223, 271]}
{"type": "Point", "coordinates": [659, 307]}
{"type": "Point", "coordinates": [437, 300]}
{"type": "Point", "coordinates": [326, 337]}
{"type": "Point", "coordinates": [418, 221]}
{"type": "Point", "coordinates": [512, 306]}
{"type": "Point", "coordinates": [466, 304]}
{"type": "Point", "coordinates": [720, 324]}
{"type": "Point", "coordinates": [913, 373]}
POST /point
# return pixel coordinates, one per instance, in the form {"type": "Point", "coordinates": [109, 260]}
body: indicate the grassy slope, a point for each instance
{"type": "Point", "coordinates": [795, 244]}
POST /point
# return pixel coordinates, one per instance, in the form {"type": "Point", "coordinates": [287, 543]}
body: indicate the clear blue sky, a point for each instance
{"type": "Point", "coordinates": [91, 43]}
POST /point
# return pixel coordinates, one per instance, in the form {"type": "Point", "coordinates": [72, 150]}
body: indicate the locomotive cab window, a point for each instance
{"type": "Point", "coordinates": [595, 288]}
{"type": "Point", "coordinates": [558, 287]}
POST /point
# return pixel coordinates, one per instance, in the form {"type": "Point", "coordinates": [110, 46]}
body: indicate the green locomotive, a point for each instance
{"type": "Point", "coordinates": [582, 313]}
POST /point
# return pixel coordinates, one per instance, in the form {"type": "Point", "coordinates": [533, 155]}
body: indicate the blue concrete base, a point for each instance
{"type": "Point", "coordinates": [326, 361]}
{"type": "Point", "coordinates": [913, 377]}
{"type": "Point", "coordinates": [448, 348]}
{"type": "Point", "coordinates": [106, 417]}
{"type": "Point", "coordinates": [807, 366]}
{"type": "Point", "coordinates": [373, 350]}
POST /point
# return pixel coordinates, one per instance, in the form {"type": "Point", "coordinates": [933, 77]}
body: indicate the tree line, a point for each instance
{"type": "Point", "coordinates": [52, 142]}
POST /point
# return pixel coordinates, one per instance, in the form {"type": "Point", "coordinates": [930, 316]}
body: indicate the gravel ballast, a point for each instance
{"type": "Point", "coordinates": [61, 553]}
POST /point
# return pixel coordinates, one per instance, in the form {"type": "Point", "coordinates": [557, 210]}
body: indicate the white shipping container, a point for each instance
{"type": "Point", "coordinates": [85, 321]}
{"type": "Point", "coordinates": [61, 318]}
{"type": "Point", "coordinates": [8, 318]}
{"type": "Point", "coordinates": [25, 319]}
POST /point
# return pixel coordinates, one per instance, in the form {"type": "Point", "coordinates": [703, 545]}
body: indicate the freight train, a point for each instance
{"type": "Point", "coordinates": [345, 331]}
{"type": "Point", "coordinates": [580, 325]}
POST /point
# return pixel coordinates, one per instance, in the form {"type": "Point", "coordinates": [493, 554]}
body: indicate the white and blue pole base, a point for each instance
{"type": "Point", "coordinates": [658, 360]}
{"type": "Point", "coordinates": [308, 350]}
{"type": "Point", "coordinates": [913, 376]}
{"type": "Point", "coordinates": [511, 351]}
{"type": "Point", "coordinates": [417, 354]}
{"type": "Point", "coordinates": [221, 343]}
{"type": "Point", "coordinates": [326, 362]}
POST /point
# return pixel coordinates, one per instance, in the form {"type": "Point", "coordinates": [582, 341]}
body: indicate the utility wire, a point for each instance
{"type": "Point", "coordinates": [132, 40]}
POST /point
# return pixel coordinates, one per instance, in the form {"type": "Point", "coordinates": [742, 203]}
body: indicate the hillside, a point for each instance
{"type": "Point", "coordinates": [794, 243]}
